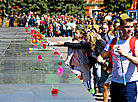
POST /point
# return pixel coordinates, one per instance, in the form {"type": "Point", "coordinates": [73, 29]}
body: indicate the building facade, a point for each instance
{"type": "Point", "coordinates": [92, 6]}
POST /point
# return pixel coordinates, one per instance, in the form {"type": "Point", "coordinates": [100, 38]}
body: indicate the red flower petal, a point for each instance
{"type": "Point", "coordinates": [25, 39]}
{"type": "Point", "coordinates": [79, 77]}
{"type": "Point", "coordinates": [56, 52]}
{"type": "Point", "coordinates": [60, 63]}
{"type": "Point", "coordinates": [35, 32]}
{"type": "Point", "coordinates": [54, 91]}
{"type": "Point", "coordinates": [39, 56]}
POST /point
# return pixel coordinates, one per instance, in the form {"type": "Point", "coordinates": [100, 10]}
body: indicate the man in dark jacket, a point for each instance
{"type": "Point", "coordinates": [32, 21]}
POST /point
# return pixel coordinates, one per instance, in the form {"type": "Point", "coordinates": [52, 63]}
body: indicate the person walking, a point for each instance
{"type": "Point", "coordinates": [32, 21]}
{"type": "Point", "coordinates": [11, 20]}
{"type": "Point", "coordinates": [19, 20]}
{"type": "Point", "coordinates": [77, 59]}
{"type": "Point", "coordinates": [123, 88]}
{"type": "Point", "coordinates": [106, 75]}
{"type": "Point", "coordinates": [24, 18]}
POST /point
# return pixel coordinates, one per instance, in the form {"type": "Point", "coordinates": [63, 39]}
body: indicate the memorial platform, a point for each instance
{"type": "Point", "coordinates": [24, 78]}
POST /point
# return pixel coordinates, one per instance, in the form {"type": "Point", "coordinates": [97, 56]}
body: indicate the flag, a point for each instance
{"type": "Point", "coordinates": [134, 5]}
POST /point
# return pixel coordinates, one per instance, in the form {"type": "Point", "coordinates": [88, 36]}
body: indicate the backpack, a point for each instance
{"type": "Point", "coordinates": [131, 44]}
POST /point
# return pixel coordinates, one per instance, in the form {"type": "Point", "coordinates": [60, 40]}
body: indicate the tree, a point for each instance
{"type": "Point", "coordinates": [4, 11]}
{"type": "Point", "coordinates": [39, 6]}
{"type": "Point", "coordinates": [53, 7]}
{"type": "Point", "coordinates": [3, 7]}
{"type": "Point", "coordinates": [72, 7]}
{"type": "Point", "coordinates": [117, 5]}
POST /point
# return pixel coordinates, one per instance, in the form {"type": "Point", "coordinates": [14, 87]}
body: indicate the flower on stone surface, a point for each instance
{"type": "Point", "coordinates": [39, 56]}
{"type": "Point", "coordinates": [60, 69]}
{"type": "Point", "coordinates": [60, 63]}
{"type": "Point", "coordinates": [54, 90]}
{"type": "Point", "coordinates": [56, 52]}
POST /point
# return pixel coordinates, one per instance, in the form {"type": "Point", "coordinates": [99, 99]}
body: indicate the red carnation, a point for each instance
{"type": "Point", "coordinates": [39, 56]}
{"type": "Point", "coordinates": [79, 77]}
{"type": "Point", "coordinates": [35, 32]}
{"type": "Point", "coordinates": [32, 31]}
{"type": "Point", "coordinates": [54, 91]}
{"type": "Point", "coordinates": [60, 63]}
{"type": "Point", "coordinates": [35, 35]}
{"type": "Point", "coordinates": [25, 39]}
{"type": "Point", "coordinates": [40, 38]}
{"type": "Point", "coordinates": [56, 52]}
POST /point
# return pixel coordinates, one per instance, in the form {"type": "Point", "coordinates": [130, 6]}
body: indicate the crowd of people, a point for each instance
{"type": "Point", "coordinates": [64, 25]}
{"type": "Point", "coordinates": [91, 53]}
{"type": "Point", "coordinates": [99, 59]}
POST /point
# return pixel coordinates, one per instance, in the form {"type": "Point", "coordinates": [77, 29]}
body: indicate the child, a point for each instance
{"type": "Point", "coordinates": [77, 59]}
{"type": "Point", "coordinates": [51, 34]}
{"type": "Point", "coordinates": [94, 47]}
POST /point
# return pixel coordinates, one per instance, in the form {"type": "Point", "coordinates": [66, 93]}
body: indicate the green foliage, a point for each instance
{"type": "Point", "coordinates": [3, 7]}
{"type": "Point", "coordinates": [72, 7]}
{"type": "Point", "coordinates": [117, 5]}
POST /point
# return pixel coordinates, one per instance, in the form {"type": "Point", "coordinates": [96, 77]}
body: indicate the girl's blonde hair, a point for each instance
{"type": "Point", "coordinates": [92, 37]}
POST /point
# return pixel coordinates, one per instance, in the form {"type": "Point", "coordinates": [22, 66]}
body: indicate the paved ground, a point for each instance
{"type": "Point", "coordinates": [63, 51]}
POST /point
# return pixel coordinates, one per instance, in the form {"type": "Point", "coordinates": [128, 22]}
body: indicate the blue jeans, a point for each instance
{"type": "Point", "coordinates": [69, 33]}
{"type": "Point", "coordinates": [95, 73]}
{"type": "Point", "coordinates": [63, 33]}
{"type": "Point", "coordinates": [123, 93]}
